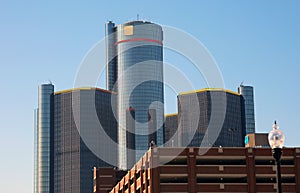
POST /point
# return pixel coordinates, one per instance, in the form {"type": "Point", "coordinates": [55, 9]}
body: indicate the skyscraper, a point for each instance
{"type": "Point", "coordinates": [76, 131]}
{"type": "Point", "coordinates": [72, 131]}
{"type": "Point", "coordinates": [248, 97]}
{"type": "Point", "coordinates": [135, 71]}
{"type": "Point", "coordinates": [43, 169]}
{"type": "Point", "coordinates": [111, 55]}
{"type": "Point", "coordinates": [193, 125]}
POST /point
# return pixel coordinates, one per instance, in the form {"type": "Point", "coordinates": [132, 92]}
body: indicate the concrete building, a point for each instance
{"type": "Point", "coordinates": [231, 170]}
{"type": "Point", "coordinates": [106, 178]}
{"type": "Point", "coordinates": [257, 140]}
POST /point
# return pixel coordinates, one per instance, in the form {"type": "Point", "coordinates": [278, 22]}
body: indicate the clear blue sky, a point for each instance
{"type": "Point", "coordinates": [257, 42]}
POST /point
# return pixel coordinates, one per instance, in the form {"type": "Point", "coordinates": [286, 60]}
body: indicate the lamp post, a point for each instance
{"type": "Point", "coordinates": [276, 141]}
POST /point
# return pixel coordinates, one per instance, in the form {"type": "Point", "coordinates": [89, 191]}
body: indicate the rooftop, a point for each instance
{"type": "Point", "coordinates": [210, 90]}
{"type": "Point", "coordinates": [83, 88]}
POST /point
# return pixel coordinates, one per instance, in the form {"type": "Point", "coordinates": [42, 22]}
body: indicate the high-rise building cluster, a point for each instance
{"type": "Point", "coordinates": [73, 127]}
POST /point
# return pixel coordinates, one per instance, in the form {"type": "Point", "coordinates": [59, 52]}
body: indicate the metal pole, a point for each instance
{"type": "Point", "coordinates": [279, 190]}
{"type": "Point", "coordinates": [277, 152]}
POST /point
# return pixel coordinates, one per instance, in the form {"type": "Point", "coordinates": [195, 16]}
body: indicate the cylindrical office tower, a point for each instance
{"type": "Point", "coordinates": [247, 93]}
{"type": "Point", "coordinates": [44, 140]}
{"type": "Point", "coordinates": [111, 56]}
{"type": "Point", "coordinates": [139, 84]}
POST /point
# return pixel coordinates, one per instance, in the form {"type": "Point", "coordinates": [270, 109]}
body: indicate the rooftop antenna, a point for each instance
{"type": "Point", "coordinates": [50, 82]}
{"type": "Point", "coordinates": [242, 83]}
{"type": "Point", "coordinates": [137, 17]}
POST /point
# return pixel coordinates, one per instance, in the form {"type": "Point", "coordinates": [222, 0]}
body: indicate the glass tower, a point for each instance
{"type": "Point", "coordinates": [77, 134]}
{"type": "Point", "coordinates": [135, 71]}
{"type": "Point", "coordinates": [43, 174]}
{"type": "Point", "coordinates": [35, 170]}
{"type": "Point", "coordinates": [248, 97]}
{"type": "Point", "coordinates": [193, 126]}
{"type": "Point", "coordinates": [63, 161]}
{"type": "Point", "coordinates": [111, 56]}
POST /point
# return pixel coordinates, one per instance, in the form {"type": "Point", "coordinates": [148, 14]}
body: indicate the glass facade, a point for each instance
{"type": "Point", "coordinates": [43, 178]}
{"type": "Point", "coordinates": [247, 94]}
{"type": "Point", "coordinates": [74, 160]}
{"type": "Point", "coordinates": [139, 77]}
{"type": "Point", "coordinates": [35, 172]}
{"type": "Point", "coordinates": [233, 130]}
{"type": "Point", "coordinates": [130, 136]}
{"type": "Point", "coordinates": [111, 56]}
{"type": "Point", "coordinates": [170, 135]}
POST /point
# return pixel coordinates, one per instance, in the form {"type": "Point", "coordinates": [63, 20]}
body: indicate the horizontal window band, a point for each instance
{"type": "Point", "coordinates": [139, 40]}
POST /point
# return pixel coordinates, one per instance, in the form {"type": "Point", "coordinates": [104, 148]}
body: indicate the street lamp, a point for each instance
{"type": "Point", "coordinates": [276, 140]}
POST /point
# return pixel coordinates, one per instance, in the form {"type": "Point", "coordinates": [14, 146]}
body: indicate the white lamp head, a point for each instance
{"type": "Point", "coordinates": [276, 137]}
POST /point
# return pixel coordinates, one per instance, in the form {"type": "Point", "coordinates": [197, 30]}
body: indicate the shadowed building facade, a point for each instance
{"type": "Point", "coordinates": [75, 125]}
{"type": "Point", "coordinates": [130, 136]}
{"type": "Point", "coordinates": [67, 134]}
{"type": "Point", "coordinates": [171, 126]}
{"type": "Point", "coordinates": [194, 118]}
{"type": "Point", "coordinates": [105, 178]}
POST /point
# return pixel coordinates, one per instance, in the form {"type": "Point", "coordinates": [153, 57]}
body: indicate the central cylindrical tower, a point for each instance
{"type": "Point", "coordinates": [139, 85]}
